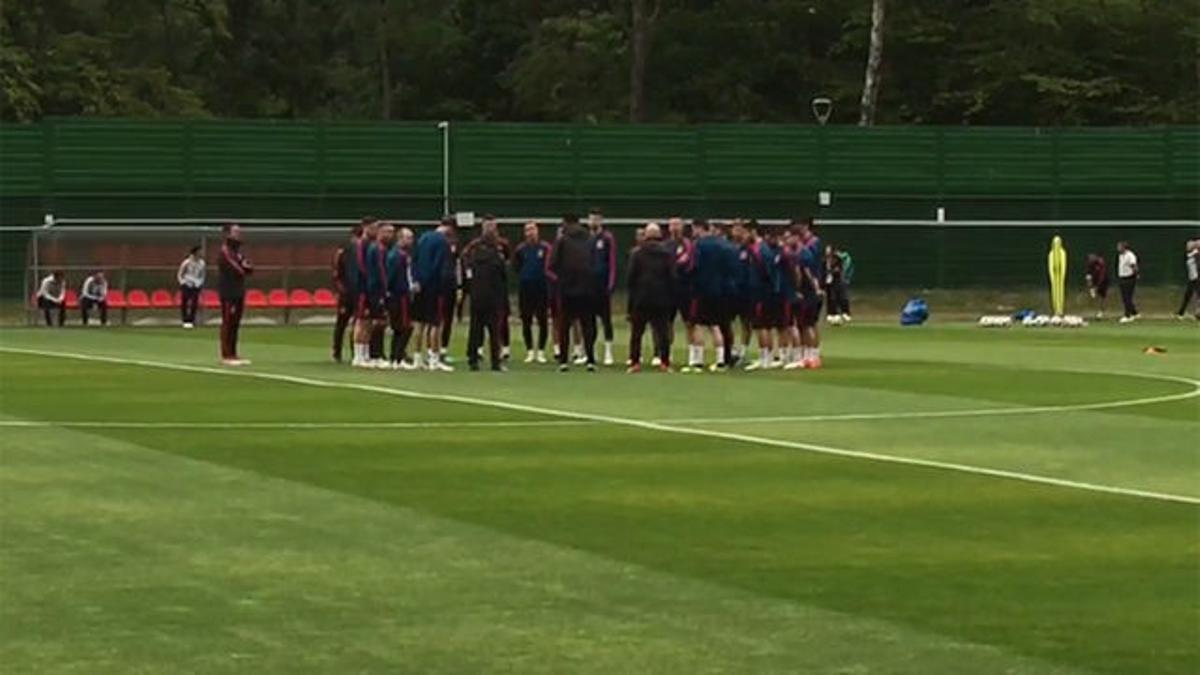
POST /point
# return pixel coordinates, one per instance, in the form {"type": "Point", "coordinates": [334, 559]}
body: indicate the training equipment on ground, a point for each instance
{"type": "Point", "coordinates": [1056, 262]}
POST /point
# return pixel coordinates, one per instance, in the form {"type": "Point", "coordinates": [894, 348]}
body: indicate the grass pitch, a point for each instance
{"type": "Point", "coordinates": [1030, 504]}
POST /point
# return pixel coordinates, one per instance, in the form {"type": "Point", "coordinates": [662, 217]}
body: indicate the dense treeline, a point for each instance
{"type": "Point", "coordinates": [1043, 62]}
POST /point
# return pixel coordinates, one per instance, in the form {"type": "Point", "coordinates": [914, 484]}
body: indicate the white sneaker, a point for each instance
{"type": "Point", "coordinates": [794, 365]}
{"type": "Point", "coordinates": [405, 365]}
{"type": "Point", "coordinates": [189, 325]}
{"type": "Point", "coordinates": [541, 356]}
{"type": "Point", "coordinates": [608, 356]}
{"type": "Point", "coordinates": [655, 362]}
{"type": "Point", "coordinates": [441, 367]}
{"type": "Point", "coordinates": [580, 360]}
{"type": "Point", "coordinates": [530, 356]}
{"type": "Point", "coordinates": [846, 318]}
{"type": "Point", "coordinates": [359, 363]}
{"type": "Point", "coordinates": [231, 362]}
{"type": "Point", "coordinates": [1126, 319]}
{"type": "Point", "coordinates": [505, 353]}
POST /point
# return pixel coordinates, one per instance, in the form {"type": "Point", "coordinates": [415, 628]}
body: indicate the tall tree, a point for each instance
{"type": "Point", "coordinates": [644, 14]}
{"type": "Point", "coordinates": [870, 92]}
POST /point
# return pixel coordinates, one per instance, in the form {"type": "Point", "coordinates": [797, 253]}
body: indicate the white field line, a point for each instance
{"type": "Point", "coordinates": [974, 412]}
{"type": "Point", "coordinates": [119, 424]}
{"type": "Point", "coordinates": [627, 422]}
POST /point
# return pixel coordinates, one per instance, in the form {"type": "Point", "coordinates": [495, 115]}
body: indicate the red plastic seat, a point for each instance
{"type": "Point", "coordinates": [277, 297]}
{"type": "Point", "coordinates": [323, 297]}
{"type": "Point", "coordinates": [116, 299]}
{"type": "Point", "coordinates": [72, 299]}
{"type": "Point", "coordinates": [161, 299]}
{"type": "Point", "coordinates": [256, 298]}
{"type": "Point", "coordinates": [138, 299]}
{"type": "Point", "coordinates": [300, 298]}
{"type": "Point", "coordinates": [209, 299]}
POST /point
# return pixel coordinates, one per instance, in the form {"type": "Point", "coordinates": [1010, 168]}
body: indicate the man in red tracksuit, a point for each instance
{"type": "Point", "coordinates": [233, 269]}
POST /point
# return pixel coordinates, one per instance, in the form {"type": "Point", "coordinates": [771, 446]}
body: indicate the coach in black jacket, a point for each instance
{"type": "Point", "coordinates": [486, 271]}
{"type": "Point", "coordinates": [652, 292]}
{"type": "Point", "coordinates": [570, 267]}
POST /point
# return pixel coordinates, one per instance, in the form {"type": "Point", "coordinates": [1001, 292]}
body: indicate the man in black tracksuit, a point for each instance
{"type": "Point", "coordinates": [485, 268]}
{"type": "Point", "coordinates": [652, 297]}
{"type": "Point", "coordinates": [570, 268]}
{"type": "Point", "coordinates": [345, 281]}
{"type": "Point", "coordinates": [233, 269]}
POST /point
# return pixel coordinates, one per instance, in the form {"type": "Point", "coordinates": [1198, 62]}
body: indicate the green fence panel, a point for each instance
{"type": "Point", "coordinates": [210, 168]}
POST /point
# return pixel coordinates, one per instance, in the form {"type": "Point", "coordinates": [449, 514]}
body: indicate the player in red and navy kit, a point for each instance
{"type": "Point", "coordinates": [604, 252]}
{"type": "Point", "coordinates": [232, 268]}
{"type": "Point", "coordinates": [431, 260]}
{"type": "Point", "coordinates": [744, 284]}
{"type": "Point", "coordinates": [362, 319]}
{"type": "Point", "coordinates": [398, 286]}
{"type": "Point", "coordinates": [770, 309]}
{"type": "Point", "coordinates": [711, 272]}
{"type": "Point", "coordinates": [1097, 281]}
{"type": "Point", "coordinates": [682, 248]}
{"type": "Point", "coordinates": [345, 282]}
{"type": "Point", "coordinates": [812, 266]}
{"type": "Point", "coordinates": [529, 261]}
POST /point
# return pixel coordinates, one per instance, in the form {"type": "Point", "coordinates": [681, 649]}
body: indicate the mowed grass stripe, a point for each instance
{"type": "Point", "coordinates": [122, 559]}
{"type": "Point", "coordinates": [629, 422]}
{"type": "Point", "coordinates": [1069, 576]}
{"type": "Point", "coordinates": [1078, 577]}
{"type": "Point", "coordinates": [132, 392]}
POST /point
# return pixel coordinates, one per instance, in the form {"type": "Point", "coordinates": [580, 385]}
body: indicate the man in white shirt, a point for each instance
{"type": "Point", "coordinates": [94, 295]}
{"type": "Point", "coordinates": [191, 281]}
{"type": "Point", "coordinates": [1192, 263]}
{"type": "Point", "coordinates": [1127, 276]}
{"type": "Point", "coordinates": [52, 297]}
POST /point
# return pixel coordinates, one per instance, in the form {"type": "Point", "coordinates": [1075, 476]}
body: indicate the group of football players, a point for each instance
{"type": "Point", "coordinates": [726, 282]}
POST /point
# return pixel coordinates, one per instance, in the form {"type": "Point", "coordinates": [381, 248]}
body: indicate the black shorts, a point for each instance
{"type": "Point", "coordinates": [398, 311]}
{"type": "Point", "coordinates": [744, 309]}
{"type": "Point", "coordinates": [532, 300]}
{"type": "Point", "coordinates": [430, 308]}
{"type": "Point", "coordinates": [810, 312]}
{"type": "Point", "coordinates": [347, 304]}
{"type": "Point", "coordinates": [683, 307]}
{"type": "Point", "coordinates": [708, 310]}
{"type": "Point", "coordinates": [376, 306]}
{"type": "Point", "coordinates": [772, 313]}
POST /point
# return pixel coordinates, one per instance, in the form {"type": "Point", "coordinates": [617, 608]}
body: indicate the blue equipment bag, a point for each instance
{"type": "Point", "coordinates": [915, 312]}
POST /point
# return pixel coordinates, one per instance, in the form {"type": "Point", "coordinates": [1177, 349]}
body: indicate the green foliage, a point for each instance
{"type": "Point", "coordinates": [1044, 62]}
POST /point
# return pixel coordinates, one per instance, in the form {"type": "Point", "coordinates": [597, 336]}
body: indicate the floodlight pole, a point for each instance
{"type": "Point", "coordinates": [444, 125]}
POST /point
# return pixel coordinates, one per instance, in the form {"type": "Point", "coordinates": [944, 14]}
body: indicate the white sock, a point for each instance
{"type": "Point", "coordinates": [764, 356]}
{"type": "Point", "coordinates": [696, 355]}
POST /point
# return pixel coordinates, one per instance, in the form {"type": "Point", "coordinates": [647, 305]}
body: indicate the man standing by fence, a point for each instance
{"type": "Point", "coordinates": [1192, 263]}
{"type": "Point", "coordinates": [1127, 276]}
{"type": "Point", "coordinates": [191, 280]}
{"type": "Point", "coordinates": [233, 268]}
